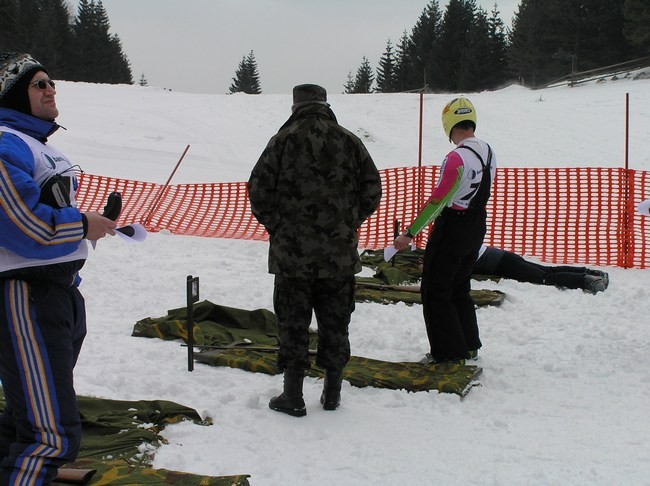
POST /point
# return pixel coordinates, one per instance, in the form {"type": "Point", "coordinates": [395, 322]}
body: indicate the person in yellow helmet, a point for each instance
{"type": "Point", "coordinates": [457, 205]}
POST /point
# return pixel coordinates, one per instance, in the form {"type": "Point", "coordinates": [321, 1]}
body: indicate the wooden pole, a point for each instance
{"type": "Point", "coordinates": [163, 188]}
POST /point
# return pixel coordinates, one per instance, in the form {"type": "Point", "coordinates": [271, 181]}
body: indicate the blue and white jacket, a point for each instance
{"type": "Point", "coordinates": [32, 233]}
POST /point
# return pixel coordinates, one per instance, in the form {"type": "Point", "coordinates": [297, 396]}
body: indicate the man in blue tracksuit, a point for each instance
{"type": "Point", "coordinates": [42, 247]}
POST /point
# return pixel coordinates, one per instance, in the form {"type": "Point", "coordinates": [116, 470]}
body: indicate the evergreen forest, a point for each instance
{"type": "Point", "coordinates": [465, 48]}
{"type": "Point", "coordinates": [74, 48]}
{"type": "Point", "coordinates": [461, 48]}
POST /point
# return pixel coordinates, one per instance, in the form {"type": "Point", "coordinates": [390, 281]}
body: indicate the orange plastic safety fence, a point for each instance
{"type": "Point", "coordinates": [560, 215]}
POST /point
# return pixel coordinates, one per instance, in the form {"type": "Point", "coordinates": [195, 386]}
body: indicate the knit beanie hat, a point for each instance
{"type": "Point", "coordinates": [309, 92]}
{"type": "Point", "coordinates": [16, 71]}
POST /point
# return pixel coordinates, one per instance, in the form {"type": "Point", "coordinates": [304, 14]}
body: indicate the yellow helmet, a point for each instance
{"type": "Point", "coordinates": [457, 110]}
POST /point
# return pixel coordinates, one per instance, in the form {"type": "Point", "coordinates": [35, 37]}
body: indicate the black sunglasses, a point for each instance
{"type": "Point", "coordinates": [42, 84]}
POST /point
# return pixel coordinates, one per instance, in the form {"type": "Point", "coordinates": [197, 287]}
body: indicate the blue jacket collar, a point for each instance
{"type": "Point", "coordinates": [27, 124]}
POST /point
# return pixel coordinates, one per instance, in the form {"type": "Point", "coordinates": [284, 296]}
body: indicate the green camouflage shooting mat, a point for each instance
{"type": "Point", "coordinates": [219, 325]}
{"type": "Point", "coordinates": [361, 372]}
{"type": "Point", "coordinates": [398, 280]}
{"type": "Point", "coordinates": [248, 340]}
{"type": "Point", "coordinates": [119, 439]}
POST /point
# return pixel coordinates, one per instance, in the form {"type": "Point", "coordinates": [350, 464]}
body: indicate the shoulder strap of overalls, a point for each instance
{"type": "Point", "coordinates": [482, 195]}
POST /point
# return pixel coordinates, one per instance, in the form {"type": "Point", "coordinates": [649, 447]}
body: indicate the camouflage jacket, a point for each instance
{"type": "Point", "coordinates": [312, 188]}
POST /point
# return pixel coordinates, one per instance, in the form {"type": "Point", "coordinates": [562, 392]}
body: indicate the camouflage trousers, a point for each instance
{"type": "Point", "coordinates": [332, 301]}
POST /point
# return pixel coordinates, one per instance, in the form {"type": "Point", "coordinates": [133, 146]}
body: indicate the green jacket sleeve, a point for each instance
{"type": "Point", "coordinates": [433, 208]}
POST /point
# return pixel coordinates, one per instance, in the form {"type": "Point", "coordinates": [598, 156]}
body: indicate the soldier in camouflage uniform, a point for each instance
{"type": "Point", "coordinates": [312, 188]}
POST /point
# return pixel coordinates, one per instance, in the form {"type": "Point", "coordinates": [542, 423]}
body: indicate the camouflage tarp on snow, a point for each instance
{"type": "Point", "coordinates": [398, 280]}
{"type": "Point", "coordinates": [219, 325]}
{"type": "Point", "coordinates": [237, 329]}
{"type": "Point", "coordinates": [361, 372]}
{"type": "Point", "coordinates": [119, 439]}
{"type": "Point", "coordinates": [114, 472]}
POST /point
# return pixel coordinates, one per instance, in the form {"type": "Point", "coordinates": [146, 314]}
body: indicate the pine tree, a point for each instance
{"type": "Point", "coordinates": [602, 40]}
{"type": "Point", "coordinates": [364, 78]}
{"type": "Point", "coordinates": [386, 72]}
{"type": "Point", "coordinates": [498, 58]}
{"type": "Point", "coordinates": [28, 11]}
{"type": "Point", "coordinates": [79, 49]}
{"type": "Point", "coordinates": [246, 78]}
{"type": "Point", "coordinates": [143, 81]}
{"type": "Point", "coordinates": [11, 35]}
{"type": "Point", "coordinates": [238, 84]}
{"type": "Point", "coordinates": [637, 19]}
{"type": "Point", "coordinates": [425, 71]}
{"type": "Point", "coordinates": [348, 87]}
{"type": "Point", "coordinates": [254, 74]}
{"type": "Point", "coordinates": [586, 34]}
{"type": "Point", "coordinates": [455, 39]}
{"type": "Point", "coordinates": [118, 67]}
{"type": "Point", "coordinates": [404, 72]}
{"type": "Point", "coordinates": [87, 39]}
{"type": "Point", "coordinates": [527, 53]}
{"type": "Point", "coordinates": [52, 28]}
{"type": "Point", "coordinates": [483, 59]}
{"type": "Point", "coordinates": [475, 62]}
{"type": "Point", "coordinates": [98, 54]}
{"type": "Point", "coordinates": [552, 39]}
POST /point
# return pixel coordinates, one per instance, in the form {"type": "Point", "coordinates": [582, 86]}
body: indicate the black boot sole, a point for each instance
{"type": "Point", "coordinates": [293, 411]}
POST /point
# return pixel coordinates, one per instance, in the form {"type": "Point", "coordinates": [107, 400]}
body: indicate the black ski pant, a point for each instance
{"type": "Point", "coordinates": [332, 301]}
{"type": "Point", "coordinates": [42, 327]}
{"type": "Point", "coordinates": [516, 267]}
{"type": "Point", "coordinates": [449, 258]}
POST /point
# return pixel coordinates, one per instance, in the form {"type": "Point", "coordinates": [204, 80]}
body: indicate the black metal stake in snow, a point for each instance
{"type": "Point", "coordinates": [192, 297]}
{"type": "Point", "coordinates": [395, 235]}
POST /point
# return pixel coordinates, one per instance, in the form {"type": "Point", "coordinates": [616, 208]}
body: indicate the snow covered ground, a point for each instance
{"type": "Point", "coordinates": [565, 390]}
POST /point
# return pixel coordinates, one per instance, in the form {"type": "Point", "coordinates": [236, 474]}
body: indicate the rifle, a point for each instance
{"type": "Point", "coordinates": [263, 349]}
{"type": "Point", "coordinates": [73, 475]}
{"type": "Point", "coordinates": [400, 288]}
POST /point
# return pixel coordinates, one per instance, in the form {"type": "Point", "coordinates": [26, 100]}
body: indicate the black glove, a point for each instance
{"type": "Point", "coordinates": [113, 209]}
{"type": "Point", "coordinates": [113, 206]}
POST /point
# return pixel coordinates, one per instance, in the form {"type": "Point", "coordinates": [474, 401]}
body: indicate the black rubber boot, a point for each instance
{"type": "Point", "coordinates": [291, 401]}
{"type": "Point", "coordinates": [331, 396]}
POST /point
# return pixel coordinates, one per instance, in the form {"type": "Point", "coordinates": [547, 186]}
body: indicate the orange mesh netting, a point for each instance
{"type": "Point", "coordinates": [560, 215]}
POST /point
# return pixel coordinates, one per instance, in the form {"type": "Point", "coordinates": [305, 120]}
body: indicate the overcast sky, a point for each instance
{"type": "Point", "coordinates": [196, 45]}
